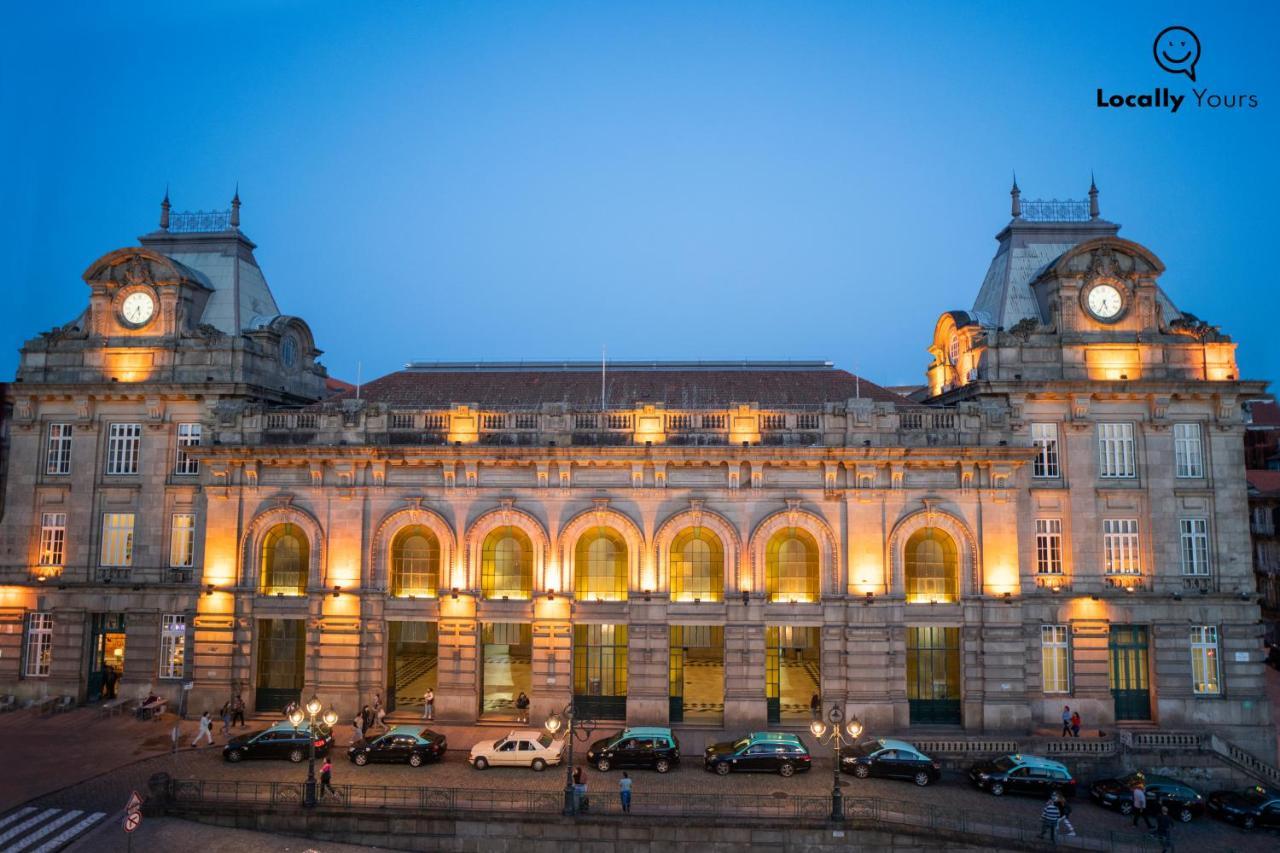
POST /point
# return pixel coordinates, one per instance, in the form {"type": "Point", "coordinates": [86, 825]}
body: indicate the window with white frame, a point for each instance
{"type": "Point", "coordinates": [173, 645]}
{"type": "Point", "coordinates": [182, 541]}
{"type": "Point", "coordinates": [1188, 454]}
{"type": "Point", "coordinates": [39, 645]}
{"type": "Point", "coordinates": [53, 538]}
{"type": "Point", "coordinates": [1120, 546]}
{"type": "Point", "coordinates": [1044, 437]}
{"type": "Point", "coordinates": [57, 458]}
{"type": "Point", "coordinates": [117, 539]}
{"type": "Point", "coordinates": [1056, 657]}
{"type": "Point", "coordinates": [188, 437]}
{"type": "Point", "coordinates": [1048, 546]}
{"type": "Point", "coordinates": [1195, 545]}
{"type": "Point", "coordinates": [122, 448]}
{"type": "Point", "coordinates": [1206, 680]}
{"type": "Point", "coordinates": [1116, 451]}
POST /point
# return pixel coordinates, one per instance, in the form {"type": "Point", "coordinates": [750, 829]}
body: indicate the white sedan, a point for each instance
{"type": "Point", "coordinates": [520, 748]}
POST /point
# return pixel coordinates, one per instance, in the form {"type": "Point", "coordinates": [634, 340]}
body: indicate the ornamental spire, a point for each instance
{"type": "Point", "coordinates": [164, 210]}
{"type": "Point", "coordinates": [1016, 194]}
{"type": "Point", "coordinates": [1093, 197]}
{"type": "Point", "coordinates": [235, 207]}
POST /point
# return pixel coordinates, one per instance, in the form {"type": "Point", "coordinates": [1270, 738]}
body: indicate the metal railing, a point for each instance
{"type": "Point", "coordinates": [859, 812]}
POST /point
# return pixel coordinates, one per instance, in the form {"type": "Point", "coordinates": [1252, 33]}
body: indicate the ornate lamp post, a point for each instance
{"type": "Point", "coordinates": [838, 736]}
{"type": "Point", "coordinates": [580, 729]}
{"type": "Point", "coordinates": [312, 709]}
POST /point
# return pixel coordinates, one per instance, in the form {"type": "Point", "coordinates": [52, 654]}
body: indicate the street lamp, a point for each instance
{"type": "Point", "coordinates": [581, 730]}
{"type": "Point", "coordinates": [835, 733]}
{"type": "Point", "coordinates": [312, 709]}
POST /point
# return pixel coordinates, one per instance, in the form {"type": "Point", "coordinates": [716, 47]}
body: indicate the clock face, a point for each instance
{"type": "Point", "coordinates": [138, 308]}
{"type": "Point", "coordinates": [1105, 301]}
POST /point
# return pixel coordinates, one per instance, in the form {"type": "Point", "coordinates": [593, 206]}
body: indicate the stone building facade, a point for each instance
{"type": "Point", "coordinates": [1062, 521]}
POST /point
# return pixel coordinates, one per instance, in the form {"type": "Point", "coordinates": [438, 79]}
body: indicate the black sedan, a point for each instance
{"type": "Point", "coordinates": [1250, 808]}
{"type": "Point", "coordinates": [890, 758]}
{"type": "Point", "coordinates": [1184, 802]}
{"type": "Point", "coordinates": [401, 745]}
{"type": "Point", "coordinates": [280, 741]}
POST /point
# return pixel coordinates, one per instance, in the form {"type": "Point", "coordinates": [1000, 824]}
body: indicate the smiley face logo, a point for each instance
{"type": "Point", "coordinates": [1177, 51]}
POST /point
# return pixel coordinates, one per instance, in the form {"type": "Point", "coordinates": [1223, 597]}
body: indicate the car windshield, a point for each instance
{"type": "Point", "coordinates": [742, 744]}
{"type": "Point", "coordinates": [867, 747]}
{"type": "Point", "coordinates": [544, 739]}
{"type": "Point", "coordinates": [613, 739]}
{"type": "Point", "coordinates": [1004, 763]}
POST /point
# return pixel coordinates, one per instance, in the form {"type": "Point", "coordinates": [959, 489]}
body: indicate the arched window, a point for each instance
{"type": "Point", "coordinates": [286, 557]}
{"type": "Point", "coordinates": [697, 566]}
{"type": "Point", "coordinates": [600, 566]}
{"type": "Point", "coordinates": [792, 566]}
{"type": "Point", "coordinates": [506, 564]}
{"type": "Point", "coordinates": [931, 566]}
{"type": "Point", "coordinates": [415, 562]}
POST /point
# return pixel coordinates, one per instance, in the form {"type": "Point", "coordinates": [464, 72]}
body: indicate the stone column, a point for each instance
{"type": "Point", "coordinates": [458, 687]}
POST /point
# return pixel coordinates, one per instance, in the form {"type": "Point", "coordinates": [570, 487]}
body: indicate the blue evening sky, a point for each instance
{"type": "Point", "coordinates": [431, 180]}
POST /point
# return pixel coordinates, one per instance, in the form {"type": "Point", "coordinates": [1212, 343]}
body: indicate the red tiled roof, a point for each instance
{"type": "Point", "coordinates": [1266, 483]}
{"type": "Point", "coordinates": [337, 386]}
{"type": "Point", "coordinates": [1264, 414]}
{"type": "Point", "coordinates": [439, 387]}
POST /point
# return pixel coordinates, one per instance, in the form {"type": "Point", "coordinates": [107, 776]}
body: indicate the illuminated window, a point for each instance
{"type": "Point", "coordinates": [286, 557]}
{"type": "Point", "coordinates": [1205, 678]}
{"type": "Point", "coordinates": [792, 566]}
{"type": "Point", "coordinates": [1049, 546]}
{"type": "Point", "coordinates": [173, 645]}
{"type": "Point", "coordinates": [188, 437]}
{"type": "Point", "coordinates": [39, 645]}
{"type": "Point", "coordinates": [53, 538]}
{"type": "Point", "coordinates": [1116, 451]}
{"type": "Point", "coordinates": [415, 562]}
{"type": "Point", "coordinates": [1120, 546]}
{"type": "Point", "coordinates": [117, 539]}
{"type": "Point", "coordinates": [1195, 546]}
{"type": "Point", "coordinates": [1056, 658]}
{"type": "Point", "coordinates": [600, 566]}
{"type": "Point", "coordinates": [1187, 452]}
{"type": "Point", "coordinates": [932, 571]}
{"type": "Point", "coordinates": [697, 566]}
{"type": "Point", "coordinates": [1044, 437]}
{"type": "Point", "coordinates": [506, 564]}
{"type": "Point", "coordinates": [182, 541]}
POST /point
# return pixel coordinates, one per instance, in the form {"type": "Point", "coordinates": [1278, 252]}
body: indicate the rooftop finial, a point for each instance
{"type": "Point", "coordinates": [1093, 197]}
{"type": "Point", "coordinates": [235, 207]}
{"type": "Point", "coordinates": [164, 210]}
{"type": "Point", "coordinates": [1016, 194]}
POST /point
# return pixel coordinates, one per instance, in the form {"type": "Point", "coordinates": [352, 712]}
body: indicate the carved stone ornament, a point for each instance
{"type": "Point", "coordinates": [137, 272]}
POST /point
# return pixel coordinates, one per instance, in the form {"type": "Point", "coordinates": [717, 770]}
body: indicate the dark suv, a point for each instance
{"type": "Point", "coordinates": [639, 747]}
{"type": "Point", "coordinates": [280, 741]}
{"type": "Point", "coordinates": [767, 752]}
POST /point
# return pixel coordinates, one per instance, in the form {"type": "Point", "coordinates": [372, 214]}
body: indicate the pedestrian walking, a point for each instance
{"type": "Point", "coordinates": [1140, 806]}
{"type": "Point", "coordinates": [326, 779]}
{"type": "Point", "coordinates": [1164, 830]}
{"type": "Point", "coordinates": [1075, 723]}
{"type": "Point", "coordinates": [225, 713]}
{"type": "Point", "coordinates": [206, 730]}
{"type": "Point", "coordinates": [366, 718]}
{"type": "Point", "coordinates": [1066, 721]}
{"type": "Point", "coordinates": [357, 729]}
{"type": "Point", "coordinates": [109, 683]}
{"type": "Point", "coordinates": [377, 704]}
{"type": "Point", "coordinates": [1049, 817]}
{"type": "Point", "coordinates": [580, 803]}
{"type": "Point", "coordinates": [1064, 823]}
{"type": "Point", "coordinates": [237, 711]}
{"type": "Point", "coordinates": [522, 707]}
{"type": "Point", "coordinates": [381, 718]}
{"type": "Point", "coordinates": [624, 792]}
{"type": "Point", "coordinates": [815, 706]}
{"type": "Point", "coordinates": [429, 704]}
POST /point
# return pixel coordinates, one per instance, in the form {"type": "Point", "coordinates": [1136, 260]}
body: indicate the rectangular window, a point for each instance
{"type": "Point", "coordinates": [1195, 545]}
{"type": "Point", "coordinates": [188, 436]}
{"type": "Point", "coordinates": [1044, 437]}
{"type": "Point", "coordinates": [182, 541]}
{"type": "Point", "coordinates": [1056, 656]}
{"type": "Point", "coordinates": [1205, 678]}
{"type": "Point", "coordinates": [173, 645]}
{"type": "Point", "coordinates": [117, 539]}
{"type": "Point", "coordinates": [1116, 451]}
{"type": "Point", "coordinates": [53, 538]}
{"type": "Point", "coordinates": [39, 644]}
{"type": "Point", "coordinates": [122, 448]}
{"type": "Point", "coordinates": [1120, 546]}
{"type": "Point", "coordinates": [1187, 451]}
{"type": "Point", "coordinates": [1049, 546]}
{"type": "Point", "coordinates": [58, 455]}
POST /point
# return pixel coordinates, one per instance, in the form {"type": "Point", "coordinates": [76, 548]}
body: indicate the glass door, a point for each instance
{"type": "Point", "coordinates": [281, 658]}
{"type": "Point", "coordinates": [600, 671]}
{"type": "Point", "coordinates": [1130, 684]}
{"type": "Point", "coordinates": [106, 656]}
{"type": "Point", "coordinates": [413, 655]}
{"type": "Point", "coordinates": [933, 675]}
{"type": "Point", "coordinates": [792, 671]}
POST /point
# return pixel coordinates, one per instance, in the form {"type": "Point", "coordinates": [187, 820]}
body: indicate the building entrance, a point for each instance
{"type": "Point", "coordinates": [1130, 687]}
{"type": "Point", "coordinates": [792, 658]}
{"type": "Point", "coordinates": [600, 671]}
{"type": "Point", "coordinates": [413, 656]}
{"type": "Point", "coordinates": [106, 656]}
{"type": "Point", "coordinates": [933, 675]}
{"type": "Point", "coordinates": [507, 667]}
{"type": "Point", "coordinates": [696, 674]}
{"type": "Point", "coordinates": [281, 661]}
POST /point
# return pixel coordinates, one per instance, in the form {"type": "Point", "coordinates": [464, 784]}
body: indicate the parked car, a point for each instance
{"type": "Point", "coordinates": [892, 758]}
{"type": "Point", "coordinates": [1023, 774]}
{"type": "Point", "coordinates": [768, 752]}
{"type": "Point", "coordinates": [639, 747]}
{"type": "Point", "coordinates": [519, 748]}
{"type": "Point", "coordinates": [1250, 808]}
{"type": "Point", "coordinates": [402, 745]}
{"type": "Point", "coordinates": [1184, 802]}
{"type": "Point", "coordinates": [280, 741]}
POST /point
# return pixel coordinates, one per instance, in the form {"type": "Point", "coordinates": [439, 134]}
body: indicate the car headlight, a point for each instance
{"type": "Point", "coordinates": [983, 776]}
